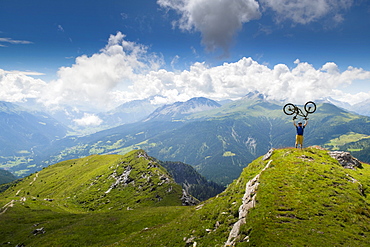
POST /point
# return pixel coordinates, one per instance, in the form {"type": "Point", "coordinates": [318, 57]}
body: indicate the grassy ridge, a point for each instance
{"type": "Point", "coordinates": [83, 184]}
{"type": "Point", "coordinates": [305, 198]}
{"type": "Point", "coordinates": [76, 204]}
{"type": "Point", "coordinates": [207, 224]}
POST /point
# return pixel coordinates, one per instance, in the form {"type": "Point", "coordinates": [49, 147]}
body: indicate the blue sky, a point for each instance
{"type": "Point", "coordinates": [75, 52]}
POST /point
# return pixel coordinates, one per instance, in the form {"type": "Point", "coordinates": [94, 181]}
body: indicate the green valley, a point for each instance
{"type": "Point", "coordinates": [220, 142]}
{"type": "Point", "coordinates": [217, 142]}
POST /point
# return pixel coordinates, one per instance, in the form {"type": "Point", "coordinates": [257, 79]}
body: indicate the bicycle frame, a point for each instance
{"type": "Point", "coordinates": [290, 109]}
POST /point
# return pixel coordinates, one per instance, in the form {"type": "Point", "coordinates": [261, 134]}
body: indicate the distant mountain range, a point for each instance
{"type": "Point", "coordinates": [129, 112]}
{"type": "Point", "coordinates": [217, 140]}
{"type": "Point", "coordinates": [290, 198]}
{"type": "Point", "coordinates": [362, 108]}
{"type": "Point", "coordinates": [25, 132]}
{"type": "Point", "coordinates": [180, 110]}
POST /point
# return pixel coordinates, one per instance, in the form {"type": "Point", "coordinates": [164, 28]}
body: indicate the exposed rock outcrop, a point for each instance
{"type": "Point", "coordinates": [248, 202]}
{"type": "Point", "coordinates": [187, 199]}
{"type": "Point", "coordinates": [268, 154]}
{"type": "Point", "coordinates": [121, 179]}
{"type": "Point", "coordinates": [346, 159]}
{"type": "Point", "coordinates": [38, 231]}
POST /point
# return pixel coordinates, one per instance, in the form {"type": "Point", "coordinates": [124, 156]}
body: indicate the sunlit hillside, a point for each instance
{"type": "Point", "coordinates": [305, 197]}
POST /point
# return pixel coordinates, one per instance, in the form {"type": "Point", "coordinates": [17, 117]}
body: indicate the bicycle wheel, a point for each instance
{"type": "Point", "coordinates": [310, 107]}
{"type": "Point", "coordinates": [289, 109]}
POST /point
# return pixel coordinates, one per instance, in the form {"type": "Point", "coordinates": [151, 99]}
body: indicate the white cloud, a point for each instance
{"type": "Point", "coordinates": [60, 28]}
{"type": "Point", "coordinates": [338, 18]}
{"type": "Point", "coordinates": [13, 41]}
{"type": "Point", "coordinates": [24, 72]}
{"type": "Point", "coordinates": [94, 80]}
{"type": "Point", "coordinates": [234, 80]}
{"type": "Point", "coordinates": [350, 98]}
{"type": "Point", "coordinates": [124, 16]}
{"type": "Point", "coordinates": [16, 86]}
{"type": "Point", "coordinates": [125, 71]}
{"type": "Point", "coordinates": [88, 120]}
{"type": "Point", "coordinates": [174, 61]}
{"type": "Point", "coordinates": [218, 21]}
{"type": "Point", "coordinates": [306, 11]}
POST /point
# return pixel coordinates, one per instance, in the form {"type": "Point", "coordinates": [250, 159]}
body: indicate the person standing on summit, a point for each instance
{"type": "Point", "coordinates": [299, 136]}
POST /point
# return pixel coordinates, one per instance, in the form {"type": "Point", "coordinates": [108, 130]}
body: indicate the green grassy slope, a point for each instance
{"type": "Point", "coordinates": [100, 183]}
{"type": "Point", "coordinates": [80, 229]}
{"type": "Point", "coordinates": [304, 198]}
{"type": "Point", "coordinates": [89, 201]}
{"type": "Point", "coordinates": [308, 199]}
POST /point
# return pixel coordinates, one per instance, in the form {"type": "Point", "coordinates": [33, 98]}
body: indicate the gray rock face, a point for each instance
{"type": "Point", "coordinates": [248, 202]}
{"type": "Point", "coordinates": [120, 179]}
{"type": "Point", "coordinates": [268, 154]}
{"type": "Point", "coordinates": [188, 200]}
{"type": "Point", "coordinates": [346, 159]}
{"type": "Point", "coordinates": [38, 231]}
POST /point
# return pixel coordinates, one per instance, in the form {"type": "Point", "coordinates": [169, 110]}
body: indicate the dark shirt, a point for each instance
{"type": "Point", "coordinates": [300, 130]}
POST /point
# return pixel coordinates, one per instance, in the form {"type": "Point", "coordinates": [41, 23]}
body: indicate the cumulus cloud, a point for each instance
{"type": "Point", "coordinates": [88, 120]}
{"type": "Point", "coordinates": [217, 21]}
{"type": "Point", "coordinates": [16, 86]}
{"type": "Point", "coordinates": [125, 71]}
{"type": "Point", "coordinates": [234, 80]}
{"type": "Point", "coordinates": [94, 79]}
{"type": "Point", "coordinates": [306, 11]}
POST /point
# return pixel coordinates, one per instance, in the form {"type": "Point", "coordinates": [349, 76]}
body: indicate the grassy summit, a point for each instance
{"type": "Point", "coordinates": [301, 198]}
{"type": "Point", "coordinates": [304, 198]}
{"type": "Point", "coordinates": [101, 183]}
{"type": "Point", "coordinates": [307, 199]}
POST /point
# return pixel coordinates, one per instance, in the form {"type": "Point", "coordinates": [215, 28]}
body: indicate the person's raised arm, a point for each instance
{"type": "Point", "coordinates": [306, 122]}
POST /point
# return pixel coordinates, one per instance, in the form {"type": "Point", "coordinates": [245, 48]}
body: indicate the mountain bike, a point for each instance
{"type": "Point", "coordinates": [309, 108]}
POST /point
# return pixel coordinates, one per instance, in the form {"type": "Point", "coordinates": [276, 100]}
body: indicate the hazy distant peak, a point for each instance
{"type": "Point", "coordinates": [9, 107]}
{"type": "Point", "coordinates": [330, 100]}
{"type": "Point", "coordinates": [178, 109]}
{"type": "Point", "coordinates": [255, 95]}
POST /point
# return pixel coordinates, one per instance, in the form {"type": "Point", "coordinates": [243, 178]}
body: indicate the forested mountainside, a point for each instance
{"type": "Point", "coordinates": [6, 177]}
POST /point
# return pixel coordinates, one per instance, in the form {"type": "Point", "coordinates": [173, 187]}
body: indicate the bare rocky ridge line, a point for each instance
{"type": "Point", "coordinates": [248, 202]}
